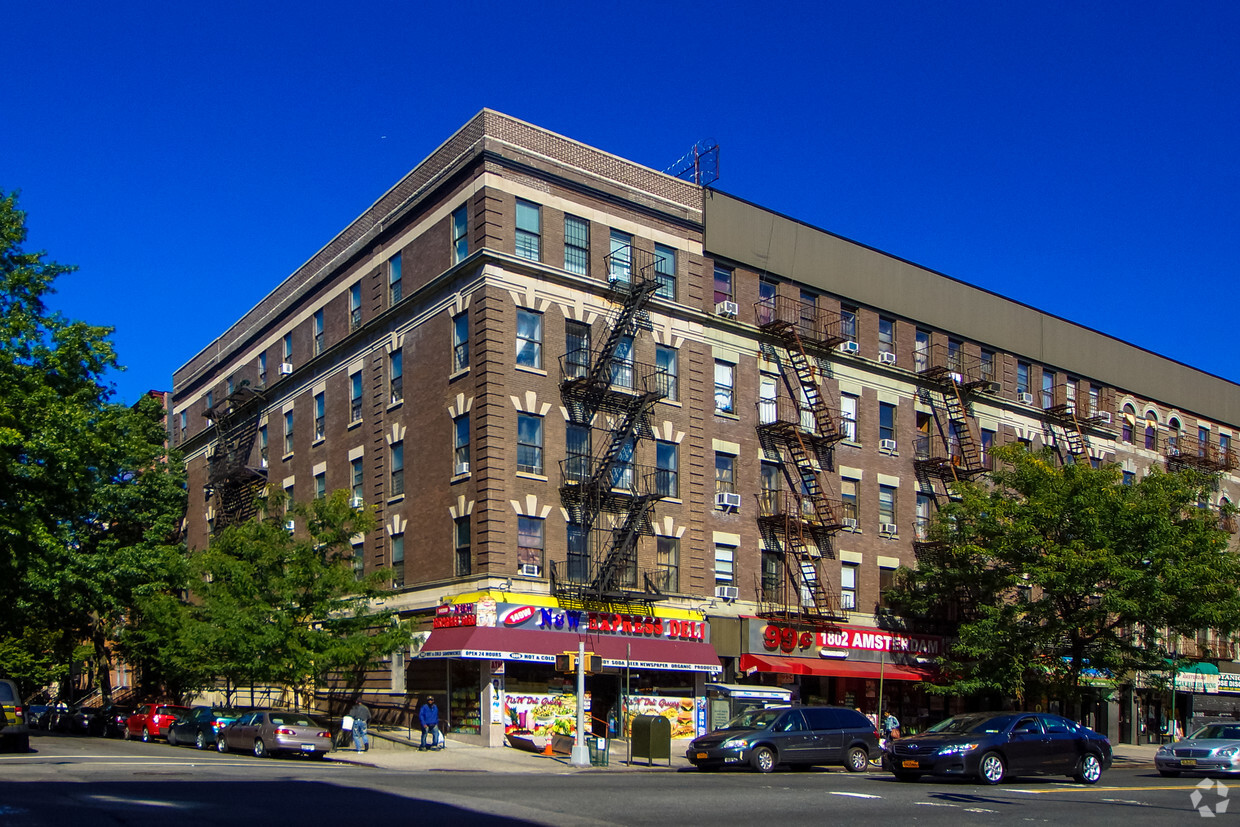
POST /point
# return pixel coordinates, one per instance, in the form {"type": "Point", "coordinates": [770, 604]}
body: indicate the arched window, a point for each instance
{"type": "Point", "coordinates": [1151, 430]}
{"type": "Point", "coordinates": [1130, 418]}
{"type": "Point", "coordinates": [1173, 436]}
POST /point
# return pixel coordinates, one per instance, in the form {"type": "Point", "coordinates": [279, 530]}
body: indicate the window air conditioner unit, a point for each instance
{"type": "Point", "coordinates": [886, 445]}
{"type": "Point", "coordinates": [289, 525]}
{"type": "Point", "coordinates": [888, 528]}
{"type": "Point", "coordinates": [850, 523]}
{"type": "Point", "coordinates": [286, 368]}
{"type": "Point", "coordinates": [849, 347]}
{"type": "Point", "coordinates": [462, 468]}
{"type": "Point", "coordinates": [724, 500]}
{"type": "Point", "coordinates": [956, 377]}
{"type": "Point", "coordinates": [1103, 416]}
{"type": "Point", "coordinates": [729, 309]}
{"type": "Point", "coordinates": [727, 592]}
{"type": "Point", "coordinates": [1025, 398]}
{"type": "Point", "coordinates": [886, 358]}
{"type": "Point", "coordinates": [991, 387]}
{"type": "Point", "coordinates": [356, 502]}
{"type": "Point", "coordinates": [529, 570]}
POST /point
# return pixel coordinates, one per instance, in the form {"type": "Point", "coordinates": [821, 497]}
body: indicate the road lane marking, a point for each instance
{"type": "Point", "coordinates": [1087, 789]}
{"type": "Point", "coordinates": [1125, 801]}
{"type": "Point", "coordinates": [854, 795]}
{"type": "Point", "coordinates": [144, 802]}
{"type": "Point", "coordinates": [934, 804]}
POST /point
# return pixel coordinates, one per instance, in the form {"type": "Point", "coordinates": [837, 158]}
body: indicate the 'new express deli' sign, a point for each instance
{"type": "Point", "coordinates": [517, 616]}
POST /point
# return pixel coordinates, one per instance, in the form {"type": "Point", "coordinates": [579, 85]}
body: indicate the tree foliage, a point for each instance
{"type": "Point", "coordinates": [1045, 571]}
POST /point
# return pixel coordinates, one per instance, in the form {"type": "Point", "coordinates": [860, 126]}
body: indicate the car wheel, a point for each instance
{"type": "Point", "coordinates": [1169, 773]}
{"type": "Point", "coordinates": [1089, 770]}
{"type": "Point", "coordinates": [146, 735]}
{"type": "Point", "coordinates": [260, 749]}
{"type": "Point", "coordinates": [907, 776]}
{"type": "Point", "coordinates": [991, 769]}
{"type": "Point", "coordinates": [172, 738]}
{"type": "Point", "coordinates": [221, 745]}
{"type": "Point", "coordinates": [200, 741]}
{"type": "Point", "coordinates": [857, 760]}
{"type": "Point", "coordinates": [763, 759]}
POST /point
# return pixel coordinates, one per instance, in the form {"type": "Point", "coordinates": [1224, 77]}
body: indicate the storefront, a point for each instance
{"type": "Point", "coordinates": [496, 664]}
{"type": "Point", "coordinates": [855, 666]}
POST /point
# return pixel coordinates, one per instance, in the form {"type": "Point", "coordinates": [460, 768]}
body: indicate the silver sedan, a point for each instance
{"type": "Point", "coordinates": [271, 731]}
{"type": "Point", "coordinates": [1214, 748]}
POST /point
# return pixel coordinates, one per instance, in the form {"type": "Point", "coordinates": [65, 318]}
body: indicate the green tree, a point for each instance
{"type": "Point", "coordinates": [90, 500]}
{"type": "Point", "coordinates": [1043, 571]}
{"type": "Point", "coordinates": [270, 605]}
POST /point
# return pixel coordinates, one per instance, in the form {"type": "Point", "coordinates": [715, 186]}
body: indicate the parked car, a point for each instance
{"type": "Point", "coordinates": [109, 722]}
{"type": "Point", "coordinates": [38, 716]}
{"type": "Point", "coordinates": [14, 731]}
{"type": "Point", "coordinates": [1215, 748]}
{"type": "Point", "coordinates": [992, 746]}
{"type": "Point", "coordinates": [64, 718]}
{"type": "Point", "coordinates": [151, 720]}
{"type": "Point", "coordinates": [798, 736]}
{"type": "Point", "coordinates": [272, 731]}
{"type": "Point", "coordinates": [201, 725]}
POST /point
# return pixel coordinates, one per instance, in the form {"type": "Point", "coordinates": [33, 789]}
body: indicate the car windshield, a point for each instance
{"type": "Point", "coordinates": [1219, 731]}
{"type": "Point", "coordinates": [754, 719]}
{"type": "Point", "coordinates": [969, 723]}
{"type": "Point", "coordinates": [291, 720]}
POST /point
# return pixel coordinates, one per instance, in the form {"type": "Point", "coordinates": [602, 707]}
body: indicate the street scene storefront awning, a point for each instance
{"type": "Point", "coordinates": [535, 646]}
{"type": "Point", "coordinates": [838, 669]}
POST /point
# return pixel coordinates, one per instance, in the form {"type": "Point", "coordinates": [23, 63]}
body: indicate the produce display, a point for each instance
{"type": "Point", "coordinates": [465, 712]}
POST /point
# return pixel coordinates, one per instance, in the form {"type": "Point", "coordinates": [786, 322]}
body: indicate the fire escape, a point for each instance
{"type": "Point", "coordinates": [232, 481]}
{"type": "Point", "coordinates": [609, 498]}
{"type": "Point", "coordinates": [1199, 454]}
{"type": "Point", "coordinates": [1074, 416]}
{"type": "Point", "coordinates": [800, 428]}
{"type": "Point", "coordinates": [949, 377]}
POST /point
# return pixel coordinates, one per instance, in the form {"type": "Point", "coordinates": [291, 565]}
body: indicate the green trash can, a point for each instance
{"type": "Point", "coordinates": [652, 738]}
{"type": "Point", "coordinates": [599, 747]}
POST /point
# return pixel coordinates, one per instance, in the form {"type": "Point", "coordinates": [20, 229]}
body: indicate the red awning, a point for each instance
{"type": "Point", "coordinates": [832, 668]}
{"type": "Point", "coordinates": [496, 643]}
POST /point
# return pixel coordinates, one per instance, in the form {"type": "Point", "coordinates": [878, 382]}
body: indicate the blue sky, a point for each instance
{"type": "Point", "coordinates": [1079, 157]}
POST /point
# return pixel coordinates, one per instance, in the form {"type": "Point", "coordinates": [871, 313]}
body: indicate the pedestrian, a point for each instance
{"type": "Point", "coordinates": [428, 715]}
{"type": "Point", "coordinates": [360, 714]}
{"type": "Point", "coordinates": [891, 725]}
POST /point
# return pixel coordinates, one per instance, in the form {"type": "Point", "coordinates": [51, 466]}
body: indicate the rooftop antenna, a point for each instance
{"type": "Point", "coordinates": [699, 165]}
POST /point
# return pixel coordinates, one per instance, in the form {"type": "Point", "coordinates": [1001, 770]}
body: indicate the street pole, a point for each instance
{"type": "Point", "coordinates": [1175, 662]}
{"type": "Point", "coordinates": [882, 669]}
{"type": "Point", "coordinates": [581, 753]}
{"type": "Point", "coordinates": [628, 656]}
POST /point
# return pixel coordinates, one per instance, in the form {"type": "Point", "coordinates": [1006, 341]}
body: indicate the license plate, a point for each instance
{"type": "Point", "coordinates": [307, 747]}
{"type": "Point", "coordinates": [909, 764]}
{"type": "Point", "coordinates": [701, 755]}
{"type": "Point", "coordinates": [1188, 762]}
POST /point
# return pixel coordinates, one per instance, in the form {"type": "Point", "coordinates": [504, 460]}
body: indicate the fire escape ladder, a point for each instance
{"type": "Point", "coordinates": [1077, 446]}
{"type": "Point", "coordinates": [958, 415]}
{"type": "Point", "coordinates": [627, 322]}
{"type": "Point", "coordinates": [811, 393]}
{"type": "Point", "coordinates": [234, 482]}
{"type": "Point", "coordinates": [621, 555]}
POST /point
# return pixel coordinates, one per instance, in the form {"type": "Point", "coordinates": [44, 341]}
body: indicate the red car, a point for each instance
{"type": "Point", "coordinates": [151, 721]}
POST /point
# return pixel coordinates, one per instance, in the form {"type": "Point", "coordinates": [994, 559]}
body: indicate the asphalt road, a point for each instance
{"type": "Point", "coordinates": [89, 781]}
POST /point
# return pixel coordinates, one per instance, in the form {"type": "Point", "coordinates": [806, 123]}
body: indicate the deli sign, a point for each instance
{"type": "Point", "coordinates": [575, 620]}
{"type": "Point", "coordinates": [794, 640]}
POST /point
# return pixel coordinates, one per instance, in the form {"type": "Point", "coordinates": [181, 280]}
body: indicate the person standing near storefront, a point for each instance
{"type": "Point", "coordinates": [891, 725]}
{"type": "Point", "coordinates": [360, 713]}
{"type": "Point", "coordinates": [428, 715]}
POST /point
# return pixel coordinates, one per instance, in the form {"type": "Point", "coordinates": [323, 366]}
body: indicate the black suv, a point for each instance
{"type": "Point", "coordinates": [799, 736]}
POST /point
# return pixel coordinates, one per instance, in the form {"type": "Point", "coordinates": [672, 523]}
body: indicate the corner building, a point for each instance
{"type": "Point", "coordinates": [591, 402]}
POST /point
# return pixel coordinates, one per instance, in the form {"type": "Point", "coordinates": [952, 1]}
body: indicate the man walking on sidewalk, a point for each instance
{"type": "Point", "coordinates": [360, 714]}
{"type": "Point", "coordinates": [428, 715]}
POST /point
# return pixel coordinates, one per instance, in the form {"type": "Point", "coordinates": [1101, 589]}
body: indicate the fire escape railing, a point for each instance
{"type": "Point", "coordinates": [232, 481]}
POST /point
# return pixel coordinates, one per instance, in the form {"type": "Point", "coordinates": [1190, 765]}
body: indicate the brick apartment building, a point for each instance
{"type": "Point", "coordinates": [576, 390]}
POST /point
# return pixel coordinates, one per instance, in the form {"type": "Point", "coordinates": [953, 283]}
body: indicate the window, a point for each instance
{"type": "Point", "coordinates": [848, 322]}
{"type": "Point", "coordinates": [576, 350]}
{"type": "Point", "coordinates": [921, 351]}
{"type": "Point", "coordinates": [288, 500]}
{"type": "Point", "coordinates": [1069, 393]}
{"type": "Point", "coordinates": [355, 397]}
{"type": "Point", "coordinates": [577, 449]}
{"type": "Point", "coordinates": [955, 355]}
{"type": "Point", "coordinates": [723, 284]}
{"type": "Point", "coordinates": [667, 371]}
{"type": "Point", "coordinates": [529, 339]}
{"type": "Point", "coordinates": [848, 586]}
{"type": "Point", "coordinates": [396, 377]}
{"type": "Point", "coordinates": [1048, 388]}
{"type": "Point", "coordinates": [355, 306]}
{"type": "Point", "coordinates": [460, 234]}
{"type": "Point", "coordinates": [1151, 430]}
{"type": "Point", "coordinates": [772, 486]}
{"type": "Point", "coordinates": [530, 542]}
{"type": "Point", "coordinates": [886, 582]}
{"type": "Point", "coordinates": [667, 464]}
{"type": "Point", "coordinates": [620, 257]}
{"type": "Point", "coordinates": [622, 470]}
{"type": "Point", "coordinates": [320, 418]}
{"type": "Point", "coordinates": [460, 444]}
{"type": "Point", "coordinates": [848, 416]}
{"type": "Point", "coordinates": [1173, 437]}
{"type": "Point", "coordinates": [394, 279]}
{"type": "Point", "coordinates": [262, 368]}
{"type": "Point", "coordinates": [725, 474]}
{"type": "Point", "coordinates": [210, 400]}
{"type": "Point", "coordinates": [288, 432]}
{"type": "Point", "coordinates": [398, 560]}
{"type": "Point", "coordinates": [772, 571]}
{"type": "Point", "coordinates": [724, 402]}
{"type": "Point", "coordinates": [1129, 477]}
{"type": "Point", "coordinates": [768, 404]}
{"type": "Point", "coordinates": [667, 559]}
{"type": "Point", "coordinates": [397, 486]}
{"type": "Point", "coordinates": [288, 347]}
{"type": "Point", "coordinates": [576, 245]}
{"type": "Point", "coordinates": [886, 335]}
{"type": "Point", "coordinates": [320, 485]}
{"type": "Point", "coordinates": [1224, 448]}
{"type": "Point", "coordinates": [230, 386]}
{"type": "Point", "coordinates": [725, 559]}
{"type": "Point", "coordinates": [318, 332]}
{"type": "Point", "coordinates": [886, 421]}
{"type": "Point", "coordinates": [988, 365]}
{"type": "Point", "coordinates": [622, 364]}
{"type": "Point", "coordinates": [848, 499]}
{"type": "Point", "coordinates": [767, 290]}
{"type": "Point", "coordinates": [184, 421]}
{"type": "Point", "coordinates": [1129, 417]}
{"type": "Point", "coordinates": [529, 444]}
{"type": "Point", "coordinates": [460, 341]}
{"type": "Point", "coordinates": [1095, 404]}
{"type": "Point", "coordinates": [1203, 441]}
{"type": "Point", "coordinates": [529, 230]}
{"type": "Point", "coordinates": [578, 554]}
{"type": "Point", "coordinates": [665, 271]}
{"type": "Point", "coordinates": [887, 504]}
{"type": "Point", "coordinates": [1022, 377]}
{"type": "Point", "coordinates": [262, 446]}
{"type": "Point", "coordinates": [359, 560]}
{"type": "Point", "coordinates": [356, 479]}
{"type": "Point", "coordinates": [461, 546]}
{"type": "Point", "coordinates": [988, 442]}
{"type": "Point", "coordinates": [921, 523]}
